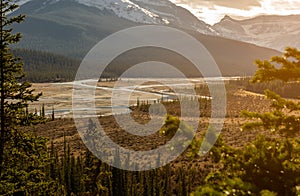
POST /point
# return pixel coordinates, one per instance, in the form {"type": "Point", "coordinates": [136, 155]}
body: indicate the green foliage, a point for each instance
{"type": "Point", "coordinates": [171, 126]}
{"type": "Point", "coordinates": [266, 166]}
{"type": "Point", "coordinates": [267, 193]}
{"type": "Point", "coordinates": [211, 143]}
{"type": "Point", "coordinates": [25, 167]}
{"type": "Point", "coordinates": [289, 70]}
{"type": "Point", "coordinates": [283, 116]}
{"type": "Point", "coordinates": [90, 176]}
{"type": "Point", "coordinates": [23, 157]}
{"type": "Point", "coordinates": [220, 185]}
{"type": "Point", "coordinates": [47, 67]}
{"type": "Point", "coordinates": [15, 95]}
{"type": "Point", "coordinates": [269, 164]}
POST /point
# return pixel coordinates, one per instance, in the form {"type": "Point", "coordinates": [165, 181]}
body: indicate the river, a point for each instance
{"type": "Point", "coordinates": [58, 96]}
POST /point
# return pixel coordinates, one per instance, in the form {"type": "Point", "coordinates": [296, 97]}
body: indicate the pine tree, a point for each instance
{"type": "Point", "coordinates": [283, 116]}
{"type": "Point", "coordinates": [53, 114]}
{"type": "Point", "coordinates": [43, 111]}
{"type": "Point", "coordinates": [268, 165]}
{"type": "Point", "coordinates": [23, 157]}
{"type": "Point", "coordinates": [14, 95]}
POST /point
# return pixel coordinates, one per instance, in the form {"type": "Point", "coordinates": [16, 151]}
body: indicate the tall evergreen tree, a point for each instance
{"type": "Point", "coordinates": [14, 95]}
{"type": "Point", "coordinates": [23, 157]}
{"type": "Point", "coordinates": [268, 165]}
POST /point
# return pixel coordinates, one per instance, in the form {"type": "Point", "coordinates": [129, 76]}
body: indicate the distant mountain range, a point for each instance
{"type": "Point", "coordinates": [65, 25]}
{"type": "Point", "coordinates": [275, 32]}
{"type": "Point", "coordinates": [138, 11]}
{"type": "Point", "coordinates": [73, 27]}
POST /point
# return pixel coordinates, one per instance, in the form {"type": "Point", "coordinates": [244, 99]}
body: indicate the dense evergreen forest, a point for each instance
{"type": "Point", "coordinates": [284, 89]}
{"type": "Point", "coordinates": [47, 67]}
{"type": "Point", "coordinates": [42, 66]}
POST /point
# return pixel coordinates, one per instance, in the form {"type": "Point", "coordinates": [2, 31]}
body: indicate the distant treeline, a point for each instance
{"type": "Point", "coordinates": [287, 90]}
{"type": "Point", "coordinates": [41, 66]}
{"type": "Point", "coordinates": [47, 67]}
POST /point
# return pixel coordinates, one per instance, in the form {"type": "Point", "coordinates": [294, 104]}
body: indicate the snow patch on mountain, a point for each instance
{"type": "Point", "coordinates": [20, 2]}
{"type": "Point", "coordinates": [176, 15]}
{"type": "Point", "coordinates": [154, 2]}
{"type": "Point", "coordinates": [162, 12]}
{"type": "Point", "coordinates": [275, 32]}
{"type": "Point", "coordinates": [126, 9]}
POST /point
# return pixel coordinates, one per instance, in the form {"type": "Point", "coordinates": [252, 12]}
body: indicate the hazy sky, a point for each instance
{"type": "Point", "coordinates": [211, 11]}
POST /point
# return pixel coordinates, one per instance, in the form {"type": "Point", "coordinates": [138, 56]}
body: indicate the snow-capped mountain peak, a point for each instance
{"type": "Point", "coordinates": [227, 18]}
{"type": "Point", "coordinates": [162, 12]}
{"type": "Point", "coordinates": [275, 32]}
{"type": "Point", "coordinates": [127, 9]}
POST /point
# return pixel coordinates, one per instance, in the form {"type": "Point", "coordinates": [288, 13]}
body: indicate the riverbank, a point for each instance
{"type": "Point", "coordinates": [237, 101]}
{"type": "Point", "coordinates": [63, 131]}
{"type": "Point", "coordinates": [58, 96]}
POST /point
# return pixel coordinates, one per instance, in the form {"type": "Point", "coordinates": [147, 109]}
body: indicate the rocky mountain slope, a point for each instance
{"type": "Point", "coordinates": [275, 32]}
{"type": "Point", "coordinates": [73, 27]}
{"type": "Point", "coordinates": [81, 23]}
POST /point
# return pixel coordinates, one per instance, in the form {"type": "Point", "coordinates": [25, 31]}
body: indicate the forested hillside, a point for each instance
{"type": "Point", "coordinates": [42, 66]}
{"type": "Point", "coordinates": [47, 67]}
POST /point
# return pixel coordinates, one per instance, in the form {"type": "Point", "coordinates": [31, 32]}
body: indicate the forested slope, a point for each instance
{"type": "Point", "coordinates": [47, 67]}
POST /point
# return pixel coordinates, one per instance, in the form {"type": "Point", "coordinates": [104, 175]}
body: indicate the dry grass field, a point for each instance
{"type": "Point", "coordinates": [60, 95]}
{"type": "Point", "coordinates": [63, 127]}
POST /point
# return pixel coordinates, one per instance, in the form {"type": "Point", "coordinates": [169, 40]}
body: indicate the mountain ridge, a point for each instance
{"type": "Point", "coordinates": [71, 29]}
{"type": "Point", "coordinates": [273, 31]}
{"type": "Point", "coordinates": [138, 11]}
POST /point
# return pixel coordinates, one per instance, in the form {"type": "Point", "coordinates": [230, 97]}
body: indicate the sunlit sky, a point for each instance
{"type": "Point", "coordinates": [212, 11]}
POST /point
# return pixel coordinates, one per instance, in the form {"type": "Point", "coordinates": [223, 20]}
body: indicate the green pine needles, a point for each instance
{"type": "Point", "coordinates": [283, 117]}
{"type": "Point", "coordinates": [23, 157]}
{"type": "Point", "coordinates": [268, 165]}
